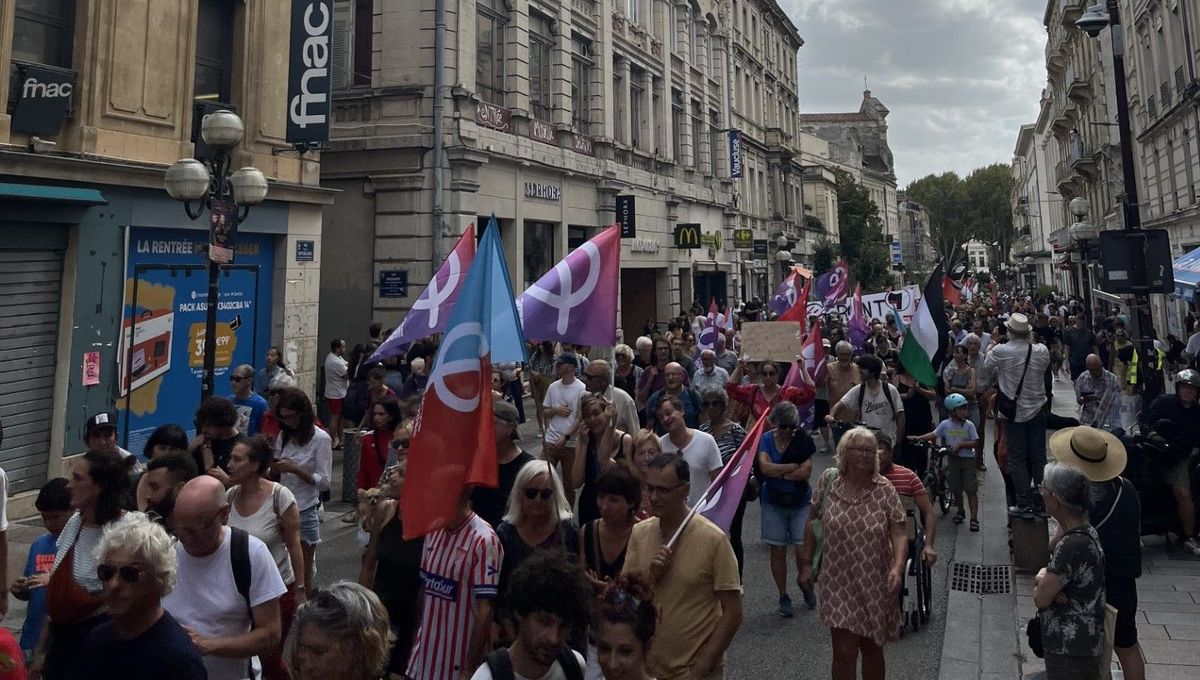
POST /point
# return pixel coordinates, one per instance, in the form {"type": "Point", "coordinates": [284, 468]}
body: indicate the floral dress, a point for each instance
{"type": "Point", "coordinates": [1076, 627]}
{"type": "Point", "coordinates": [856, 557]}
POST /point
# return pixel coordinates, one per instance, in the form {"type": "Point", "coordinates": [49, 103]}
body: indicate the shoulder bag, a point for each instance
{"type": "Point", "coordinates": [818, 504]}
{"type": "Point", "coordinates": [1006, 405]}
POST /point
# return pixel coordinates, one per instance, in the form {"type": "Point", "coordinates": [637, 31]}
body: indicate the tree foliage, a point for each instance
{"type": "Point", "coordinates": [861, 230]}
{"type": "Point", "coordinates": [976, 207]}
{"type": "Point", "coordinates": [823, 254]}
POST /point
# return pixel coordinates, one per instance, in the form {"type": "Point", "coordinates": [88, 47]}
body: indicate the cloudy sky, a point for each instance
{"type": "Point", "coordinates": [959, 76]}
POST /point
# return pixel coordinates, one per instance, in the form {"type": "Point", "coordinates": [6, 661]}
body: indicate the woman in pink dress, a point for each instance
{"type": "Point", "coordinates": [863, 555]}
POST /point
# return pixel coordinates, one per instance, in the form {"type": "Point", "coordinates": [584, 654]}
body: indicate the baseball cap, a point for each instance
{"type": "Point", "coordinates": [100, 421]}
{"type": "Point", "coordinates": [566, 358]}
{"type": "Point", "coordinates": [508, 413]}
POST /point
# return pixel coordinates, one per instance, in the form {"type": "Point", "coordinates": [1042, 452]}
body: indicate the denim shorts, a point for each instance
{"type": "Point", "coordinates": [310, 525]}
{"type": "Point", "coordinates": [783, 526]}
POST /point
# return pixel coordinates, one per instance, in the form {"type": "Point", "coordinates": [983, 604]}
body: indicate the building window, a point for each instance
{"type": "Point", "coordinates": [43, 32]}
{"type": "Point", "coordinates": [672, 25]}
{"type": "Point", "coordinates": [620, 120]}
{"type": "Point", "coordinates": [489, 50]}
{"type": "Point", "coordinates": [635, 11]}
{"type": "Point", "coordinates": [539, 250]}
{"type": "Point", "coordinates": [581, 83]}
{"type": "Point", "coordinates": [693, 46]}
{"type": "Point", "coordinates": [697, 133]}
{"type": "Point", "coordinates": [364, 38]}
{"type": "Point", "coordinates": [711, 58]}
{"type": "Point", "coordinates": [677, 126]}
{"type": "Point", "coordinates": [541, 43]}
{"type": "Point", "coordinates": [214, 51]}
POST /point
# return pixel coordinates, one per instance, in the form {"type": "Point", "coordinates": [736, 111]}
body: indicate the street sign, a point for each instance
{"type": "Point", "coordinates": [743, 239]}
{"type": "Point", "coordinates": [687, 236]}
{"type": "Point", "coordinates": [43, 98]}
{"type": "Point", "coordinates": [759, 249]}
{"type": "Point", "coordinates": [305, 251]}
{"type": "Point", "coordinates": [627, 216]}
{"type": "Point", "coordinates": [897, 254]}
{"type": "Point", "coordinates": [393, 283]}
{"type": "Point", "coordinates": [222, 231]}
{"type": "Point", "coordinates": [1137, 261]}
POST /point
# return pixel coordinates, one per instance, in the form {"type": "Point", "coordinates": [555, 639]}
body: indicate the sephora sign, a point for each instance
{"type": "Point", "coordinates": [309, 81]}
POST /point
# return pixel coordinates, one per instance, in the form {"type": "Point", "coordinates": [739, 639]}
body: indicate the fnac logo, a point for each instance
{"type": "Point", "coordinates": [687, 236]}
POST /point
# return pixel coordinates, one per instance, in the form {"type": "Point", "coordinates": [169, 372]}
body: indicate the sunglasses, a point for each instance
{"type": "Point", "coordinates": [238, 378]}
{"type": "Point", "coordinates": [713, 402]}
{"type": "Point", "coordinates": [129, 573]}
{"type": "Point", "coordinates": [400, 443]}
{"type": "Point", "coordinates": [544, 494]}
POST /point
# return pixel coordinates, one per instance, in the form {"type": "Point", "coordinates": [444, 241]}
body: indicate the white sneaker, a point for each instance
{"type": "Point", "coordinates": [1193, 546]}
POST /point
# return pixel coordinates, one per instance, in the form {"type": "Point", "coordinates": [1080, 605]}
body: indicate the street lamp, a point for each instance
{"type": "Point", "coordinates": [208, 183]}
{"type": "Point", "coordinates": [1094, 20]}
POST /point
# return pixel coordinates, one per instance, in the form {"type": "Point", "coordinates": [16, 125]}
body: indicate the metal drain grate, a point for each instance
{"type": "Point", "coordinates": [982, 579]}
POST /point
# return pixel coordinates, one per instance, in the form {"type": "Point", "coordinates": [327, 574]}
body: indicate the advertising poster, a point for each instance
{"type": "Point", "coordinates": [162, 341]}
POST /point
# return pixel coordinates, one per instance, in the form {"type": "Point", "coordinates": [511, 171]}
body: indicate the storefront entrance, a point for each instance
{"type": "Point", "coordinates": [709, 286]}
{"type": "Point", "coordinates": [639, 301]}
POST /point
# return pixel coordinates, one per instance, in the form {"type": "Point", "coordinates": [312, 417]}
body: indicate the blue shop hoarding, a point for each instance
{"type": "Point", "coordinates": [162, 337]}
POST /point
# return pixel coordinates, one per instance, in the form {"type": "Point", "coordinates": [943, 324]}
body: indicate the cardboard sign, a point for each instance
{"type": "Point", "coordinates": [771, 340]}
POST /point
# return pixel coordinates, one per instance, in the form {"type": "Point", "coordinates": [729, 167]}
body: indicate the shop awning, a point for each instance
{"type": "Point", "coordinates": [51, 193]}
{"type": "Point", "coordinates": [1187, 275]}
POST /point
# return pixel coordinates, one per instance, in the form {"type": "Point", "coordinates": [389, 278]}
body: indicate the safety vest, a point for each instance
{"type": "Point", "coordinates": [1131, 374]}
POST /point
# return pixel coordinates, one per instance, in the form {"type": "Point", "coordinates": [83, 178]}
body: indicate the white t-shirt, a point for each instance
{"type": "Point", "coordinates": [1193, 344]}
{"type": "Point", "coordinates": [316, 458]}
{"type": "Point", "coordinates": [206, 599]}
{"type": "Point", "coordinates": [559, 394]}
{"type": "Point", "coordinates": [336, 378]}
{"type": "Point", "coordinates": [555, 673]}
{"type": "Point", "coordinates": [702, 455]}
{"type": "Point", "coordinates": [876, 412]}
{"type": "Point", "coordinates": [265, 525]}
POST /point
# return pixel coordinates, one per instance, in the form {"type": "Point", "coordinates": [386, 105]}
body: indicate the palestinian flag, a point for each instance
{"type": "Point", "coordinates": [928, 336]}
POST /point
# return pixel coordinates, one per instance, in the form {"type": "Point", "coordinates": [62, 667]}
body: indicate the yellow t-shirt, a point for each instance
{"type": "Point", "coordinates": [703, 564]}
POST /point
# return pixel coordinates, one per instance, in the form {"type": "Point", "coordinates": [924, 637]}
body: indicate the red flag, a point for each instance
{"type": "Point", "coordinates": [799, 311]}
{"type": "Point", "coordinates": [951, 292]}
{"type": "Point", "coordinates": [813, 352]}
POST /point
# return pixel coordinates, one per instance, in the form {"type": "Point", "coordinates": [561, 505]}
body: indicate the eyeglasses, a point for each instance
{"type": "Point", "coordinates": [130, 573]}
{"type": "Point", "coordinates": [713, 402]}
{"type": "Point", "coordinates": [593, 376]}
{"type": "Point", "coordinates": [862, 449]}
{"type": "Point", "coordinates": [238, 378]}
{"type": "Point", "coordinates": [661, 490]}
{"type": "Point", "coordinates": [398, 444]}
{"type": "Point", "coordinates": [544, 494]}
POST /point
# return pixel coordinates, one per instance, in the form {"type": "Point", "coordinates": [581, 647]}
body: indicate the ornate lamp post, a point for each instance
{"type": "Point", "coordinates": [208, 183]}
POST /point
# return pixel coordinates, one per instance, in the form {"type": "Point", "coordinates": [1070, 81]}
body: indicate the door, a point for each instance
{"type": "Point", "coordinates": [710, 285]}
{"type": "Point", "coordinates": [639, 301]}
{"type": "Point", "coordinates": [30, 289]}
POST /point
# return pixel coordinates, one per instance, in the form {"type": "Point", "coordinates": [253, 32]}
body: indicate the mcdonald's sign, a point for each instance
{"type": "Point", "coordinates": [687, 235]}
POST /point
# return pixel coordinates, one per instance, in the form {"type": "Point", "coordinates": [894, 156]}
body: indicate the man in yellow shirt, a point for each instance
{"type": "Point", "coordinates": [696, 583]}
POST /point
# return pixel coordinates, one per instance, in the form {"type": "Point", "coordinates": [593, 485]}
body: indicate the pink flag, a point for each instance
{"type": "Point", "coordinates": [720, 502]}
{"type": "Point", "coordinates": [431, 310]}
{"type": "Point", "coordinates": [576, 301]}
{"type": "Point", "coordinates": [710, 329]}
{"type": "Point", "coordinates": [813, 352]}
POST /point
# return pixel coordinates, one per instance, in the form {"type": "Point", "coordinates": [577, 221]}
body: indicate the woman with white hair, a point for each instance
{"type": "Point", "coordinates": [627, 374]}
{"type": "Point", "coordinates": [136, 563]}
{"type": "Point", "coordinates": [538, 517]}
{"type": "Point", "coordinates": [340, 634]}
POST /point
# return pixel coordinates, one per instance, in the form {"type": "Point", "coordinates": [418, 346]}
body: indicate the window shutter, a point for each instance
{"type": "Point", "coordinates": [343, 27]}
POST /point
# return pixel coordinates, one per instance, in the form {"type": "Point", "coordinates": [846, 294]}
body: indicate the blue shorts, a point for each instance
{"type": "Point", "coordinates": [783, 526]}
{"type": "Point", "coordinates": [310, 525]}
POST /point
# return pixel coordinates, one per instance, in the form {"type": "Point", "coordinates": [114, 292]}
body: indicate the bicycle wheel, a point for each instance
{"type": "Point", "coordinates": [943, 492]}
{"type": "Point", "coordinates": [926, 590]}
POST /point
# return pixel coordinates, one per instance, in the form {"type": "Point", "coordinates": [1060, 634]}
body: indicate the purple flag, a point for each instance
{"type": "Point", "coordinates": [785, 295]}
{"type": "Point", "coordinates": [429, 313]}
{"type": "Point", "coordinates": [856, 327]}
{"type": "Point", "coordinates": [576, 301]}
{"type": "Point", "coordinates": [720, 502]}
{"type": "Point", "coordinates": [833, 286]}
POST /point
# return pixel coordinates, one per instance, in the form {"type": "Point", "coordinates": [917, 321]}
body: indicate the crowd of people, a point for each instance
{"type": "Point", "coordinates": [195, 558]}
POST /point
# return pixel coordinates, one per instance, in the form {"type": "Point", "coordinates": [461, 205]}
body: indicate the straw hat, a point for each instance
{"type": "Point", "coordinates": [1018, 322]}
{"type": "Point", "coordinates": [1098, 454]}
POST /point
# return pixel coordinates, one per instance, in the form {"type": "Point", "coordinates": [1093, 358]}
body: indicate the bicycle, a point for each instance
{"type": "Point", "coordinates": [935, 475]}
{"type": "Point", "coordinates": [916, 590]}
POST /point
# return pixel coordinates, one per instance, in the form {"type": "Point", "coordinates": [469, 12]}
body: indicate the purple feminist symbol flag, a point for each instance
{"type": "Point", "coordinates": [720, 502]}
{"type": "Point", "coordinates": [833, 286]}
{"type": "Point", "coordinates": [576, 301]}
{"type": "Point", "coordinates": [785, 295]}
{"type": "Point", "coordinates": [856, 327]}
{"type": "Point", "coordinates": [429, 313]}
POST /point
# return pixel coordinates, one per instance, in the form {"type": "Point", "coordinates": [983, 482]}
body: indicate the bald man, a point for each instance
{"type": "Point", "coordinates": [675, 376]}
{"type": "Point", "coordinates": [229, 629]}
{"type": "Point", "coordinates": [1097, 391]}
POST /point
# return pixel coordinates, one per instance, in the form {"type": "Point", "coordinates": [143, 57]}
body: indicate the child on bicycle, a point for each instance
{"type": "Point", "coordinates": [959, 434]}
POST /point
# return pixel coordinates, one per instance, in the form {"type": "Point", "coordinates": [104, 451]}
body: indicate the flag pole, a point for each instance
{"type": "Point", "coordinates": [754, 434]}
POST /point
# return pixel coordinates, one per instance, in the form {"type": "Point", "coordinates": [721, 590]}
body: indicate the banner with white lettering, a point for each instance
{"type": "Point", "coordinates": [735, 153]}
{"type": "Point", "coordinates": [43, 97]}
{"type": "Point", "coordinates": [309, 82]}
{"type": "Point", "coordinates": [875, 305]}
{"type": "Point", "coordinates": [161, 346]}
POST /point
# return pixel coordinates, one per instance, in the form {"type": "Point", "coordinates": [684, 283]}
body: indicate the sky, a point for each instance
{"type": "Point", "coordinates": [959, 76]}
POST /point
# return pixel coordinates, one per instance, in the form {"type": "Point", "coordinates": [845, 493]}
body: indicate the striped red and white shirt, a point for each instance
{"type": "Point", "coordinates": [906, 481]}
{"type": "Point", "coordinates": [457, 568]}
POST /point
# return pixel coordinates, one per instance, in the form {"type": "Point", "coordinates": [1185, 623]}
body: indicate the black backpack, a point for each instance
{"type": "Point", "coordinates": [887, 393]}
{"type": "Point", "coordinates": [239, 560]}
{"type": "Point", "coordinates": [500, 665]}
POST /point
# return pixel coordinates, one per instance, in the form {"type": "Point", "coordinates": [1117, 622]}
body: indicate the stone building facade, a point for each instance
{"type": "Point", "coordinates": [916, 247]}
{"type": "Point", "coordinates": [115, 91]}
{"type": "Point", "coordinates": [553, 109]}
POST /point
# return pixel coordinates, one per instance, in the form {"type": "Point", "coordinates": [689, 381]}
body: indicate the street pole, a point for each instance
{"type": "Point", "coordinates": [1140, 318]}
{"type": "Point", "coordinates": [210, 331]}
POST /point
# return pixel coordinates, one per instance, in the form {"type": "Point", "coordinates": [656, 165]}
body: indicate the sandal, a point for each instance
{"type": "Point", "coordinates": [958, 518]}
{"type": "Point", "coordinates": [974, 525]}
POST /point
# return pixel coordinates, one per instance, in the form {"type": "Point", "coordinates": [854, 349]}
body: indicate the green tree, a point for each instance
{"type": "Point", "coordinates": [944, 198]}
{"type": "Point", "coordinates": [823, 254]}
{"type": "Point", "coordinates": [989, 209]}
{"type": "Point", "coordinates": [861, 229]}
